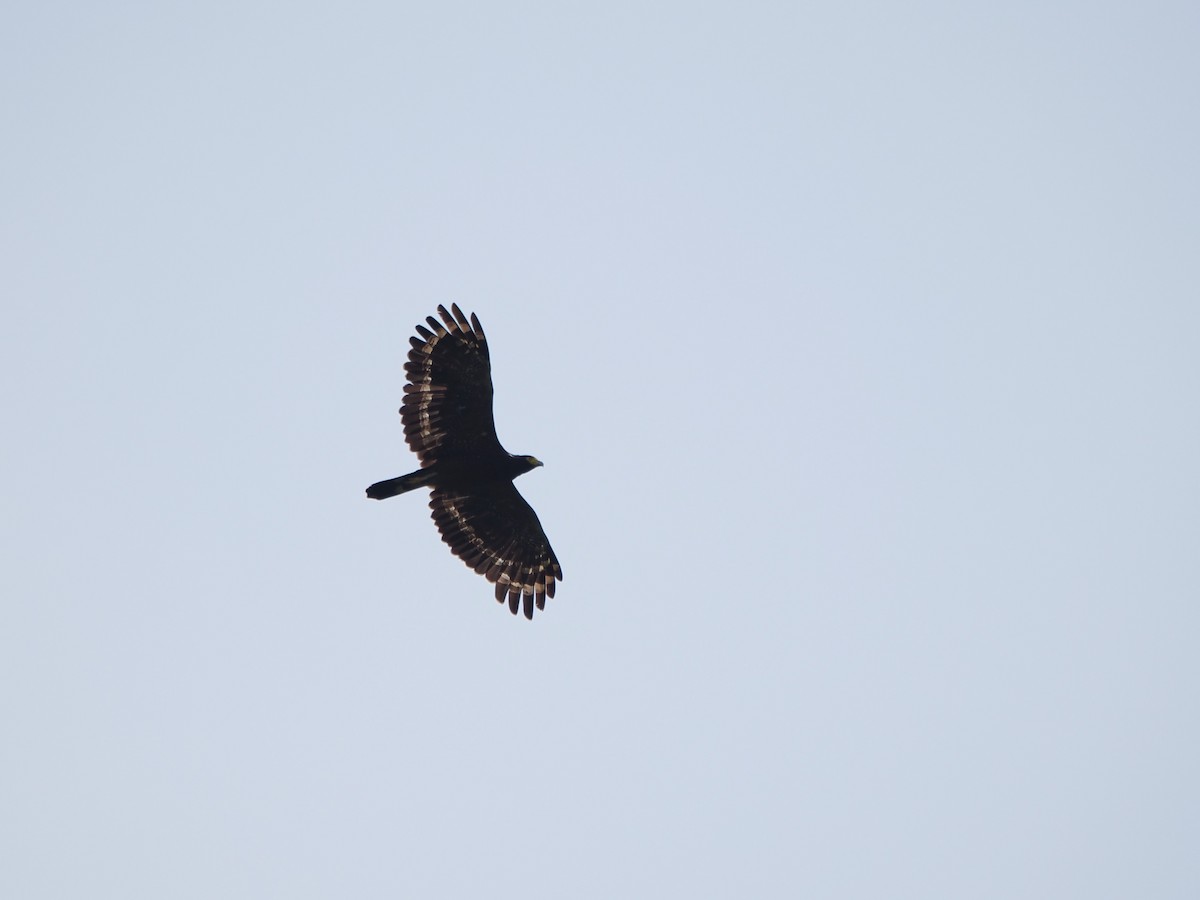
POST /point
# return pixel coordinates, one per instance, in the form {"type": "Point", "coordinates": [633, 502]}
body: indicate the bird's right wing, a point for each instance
{"type": "Point", "coordinates": [447, 407]}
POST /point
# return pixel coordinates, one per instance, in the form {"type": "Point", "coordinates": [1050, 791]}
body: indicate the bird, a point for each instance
{"type": "Point", "coordinates": [449, 425]}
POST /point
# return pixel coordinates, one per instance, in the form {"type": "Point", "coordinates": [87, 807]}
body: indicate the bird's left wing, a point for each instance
{"type": "Point", "coordinates": [497, 533]}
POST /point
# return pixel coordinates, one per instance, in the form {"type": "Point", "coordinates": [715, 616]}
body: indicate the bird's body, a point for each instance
{"type": "Point", "coordinates": [447, 415]}
{"type": "Point", "coordinates": [465, 475]}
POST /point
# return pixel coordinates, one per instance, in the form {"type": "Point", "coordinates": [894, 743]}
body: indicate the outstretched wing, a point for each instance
{"type": "Point", "coordinates": [495, 532]}
{"type": "Point", "coordinates": [447, 409]}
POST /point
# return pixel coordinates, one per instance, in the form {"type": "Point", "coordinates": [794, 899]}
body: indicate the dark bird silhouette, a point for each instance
{"type": "Point", "coordinates": [448, 423]}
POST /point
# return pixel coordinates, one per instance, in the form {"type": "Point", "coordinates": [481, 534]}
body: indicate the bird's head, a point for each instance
{"type": "Point", "coordinates": [523, 464]}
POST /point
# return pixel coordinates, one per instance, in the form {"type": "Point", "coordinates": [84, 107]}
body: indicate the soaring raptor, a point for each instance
{"type": "Point", "coordinates": [448, 423]}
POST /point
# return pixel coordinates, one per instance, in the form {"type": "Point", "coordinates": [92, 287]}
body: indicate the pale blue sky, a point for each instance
{"type": "Point", "coordinates": [860, 341]}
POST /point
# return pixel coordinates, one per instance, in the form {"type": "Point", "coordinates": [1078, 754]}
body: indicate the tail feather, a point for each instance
{"type": "Point", "coordinates": [381, 490]}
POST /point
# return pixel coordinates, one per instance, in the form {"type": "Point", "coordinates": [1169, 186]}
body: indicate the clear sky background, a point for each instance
{"type": "Point", "coordinates": [861, 342]}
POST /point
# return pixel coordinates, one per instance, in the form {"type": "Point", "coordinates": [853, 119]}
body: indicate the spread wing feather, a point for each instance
{"type": "Point", "coordinates": [497, 533]}
{"type": "Point", "coordinates": [447, 409]}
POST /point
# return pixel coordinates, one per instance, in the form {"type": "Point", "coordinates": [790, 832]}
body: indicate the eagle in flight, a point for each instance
{"type": "Point", "coordinates": [448, 423]}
